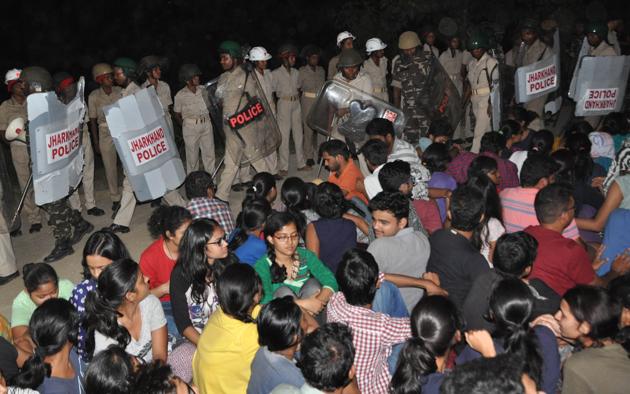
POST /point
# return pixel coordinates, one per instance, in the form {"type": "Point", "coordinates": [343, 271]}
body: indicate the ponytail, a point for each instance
{"type": "Point", "coordinates": [33, 373]}
{"type": "Point", "coordinates": [416, 361]}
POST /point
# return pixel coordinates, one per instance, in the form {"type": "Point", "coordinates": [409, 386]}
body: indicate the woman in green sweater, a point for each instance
{"type": "Point", "coordinates": [287, 269]}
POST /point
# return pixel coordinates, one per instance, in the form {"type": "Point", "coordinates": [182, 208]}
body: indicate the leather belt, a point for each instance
{"type": "Point", "coordinates": [480, 91]}
{"type": "Point", "coordinates": [310, 94]}
{"type": "Point", "coordinates": [289, 98]}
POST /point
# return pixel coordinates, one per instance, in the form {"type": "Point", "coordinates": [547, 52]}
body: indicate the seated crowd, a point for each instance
{"type": "Point", "coordinates": [438, 271]}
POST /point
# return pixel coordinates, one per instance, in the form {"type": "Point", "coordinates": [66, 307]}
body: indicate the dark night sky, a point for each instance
{"type": "Point", "coordinates": [73, 35]}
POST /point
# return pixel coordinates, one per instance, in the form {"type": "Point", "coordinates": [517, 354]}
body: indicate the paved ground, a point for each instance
{"type": "Point", "coordinates": [34, 247]}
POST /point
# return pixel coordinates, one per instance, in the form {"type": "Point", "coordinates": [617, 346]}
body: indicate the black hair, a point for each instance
{"type": "Point", "coordinates": [252, 216]}
{"type": "Point", "coordinates": [523, 115]}
{"type": "Point", "coordinates": [551, 201]}
{"type": "Point", "coordinates": [580, 146]}
{"type": "Point", "coordinates": [492, 204]}
{"type": "Point", "coordinates": [53, 324]}
{"type": "Point", "coordinates": [357, 275]}
{"type": "Point", "coordinates": [327, 356]}
{"type": "Point", "coordinates": [294, 196]}
{"type": "Point", "coordinates": [334, 148]}
{"type": "Point", "coordinates": [380, 126]}
{"type": "Point", "coordinates": [467, 206]}
{"type": "Point", "coordinates": [440, 128]}
{"type": "Point", "coordinates": [167, 219]}
{"type": "Point", "coordinates": [542, 142]}
{"type": "Point", "coordinates": [237, 288]}
{"type": "Point", "coordinates": [37, 274]}
{"type": "Point", "coordinates": [435, 321]}
{"type": "Point", "coordinates": [101, 305]}
{"type": "Point", "coordinates": [394, 174]}
{"type": "Point", "coordinates": [262, 184]}
{"type": "Point", "coordinates": [274, 223]}
{"type": "Point", "coordinates": [193, 259]}
{"type": "Point", "coordinates": [510, 128]}
{"type": "Point", "coordinates": [595, 306]}
{"type": "Point", "coordinates": [511, 307]}
{"type": "Point", "coordinates": [329, 201]}
{"type": "Point", "coordinates": [156, 378]}
{"type": "Point", "coordinates": [104, 243]}
{"type": "Point", "coordinates": [482, 165]}
{"type": "Point", "coordinates": [566, 163]}
{"type": "Point", "coordinates": [394, 202]}
{"type": "Point", "coordinates": [111, 371]}
{"type": "Point", "coordinates": [495, 375]}
{"type": "Point", "coordinates": [436, 157]}
{"type": "Point", "coordinates": [492, 142]}
{"type": "Point", "coordinates": [197, 184]}
{"type": "Point", "coordinates": [513, 253]}
{"type": "Point", "coordinates": [619, 291]}
{"type": "Point", "coordinates": [535, 168]}
{"type": "Point", "coordinates": [576, 126]}
{"type": "Point", "coordinates": [615, 123]}
{"type": "Point", "coordinates": [279, 324]}
{"type": "Point", "coordinates": [375, 151]}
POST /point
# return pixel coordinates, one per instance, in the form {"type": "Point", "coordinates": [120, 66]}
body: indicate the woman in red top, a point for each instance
{"type": "Point", "coordinates": [168, 225]}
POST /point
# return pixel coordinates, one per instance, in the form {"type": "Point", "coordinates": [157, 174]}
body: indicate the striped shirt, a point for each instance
{"type": "Point", "coordinates": [402, 150]}
{"type": "Point", "coordinates": [519, 212]}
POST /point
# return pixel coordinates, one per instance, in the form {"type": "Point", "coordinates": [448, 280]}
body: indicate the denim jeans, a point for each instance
{"type": "Point", "coordinates": [389, 301]}
{"type": "Point", "coordinates": [170, 320]}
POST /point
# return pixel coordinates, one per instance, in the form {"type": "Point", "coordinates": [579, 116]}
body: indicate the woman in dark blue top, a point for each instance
{"type": "Point", "coordinates": [435, 326]}
{"type": "Point", "coordinates": [246, 241]}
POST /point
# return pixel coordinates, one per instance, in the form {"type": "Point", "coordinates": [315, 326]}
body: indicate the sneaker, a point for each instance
{"type": "Point", "coordinates": [117, 228]}
{"type": "Point", "coordinates": [35, 228]}
{"type": "Point", "coordinates": [80, 230]}
{"type": "Point", "coordinates": [96, 211]}
{"type": "Point", "coordinates": [61, 250]}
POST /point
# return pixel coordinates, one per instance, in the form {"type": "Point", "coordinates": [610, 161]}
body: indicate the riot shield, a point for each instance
{"type": "Point", "coordinates": [145, 144]}
{"type": "Point", "coordinates": [54, 131]}
{"type": "Point", "coordinates": [343, 108]}
{"type": "Point", "coordinates": [583, 52]}
{"type": "Point", "coordinates": [444, 99]}
{"type": "Point", "coordinates": [537, 79]}
{"type": "Point", "coordinates": [600, 85]}
{"type": "Point", "coordinates": [9, 192]}
{"type": "Point", "coordinates": [248, 123]}
{"type": "Point", "coordinates": [214, 107]}
{"type": "Point", "coordinates": [501, 95]}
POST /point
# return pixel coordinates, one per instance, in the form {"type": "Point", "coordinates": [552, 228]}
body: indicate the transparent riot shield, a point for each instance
{"type": "Point", "coordinates": [237, 103]}
{"type": "Point", "coordinates": [600, 85]}
{"type": "Point", "coordinates": [343, 109]}
{"type": "Point", "coordinates": [501, 95]}
{"type": "Point", "coordinates": [9, 193]}
{"type": "Point", "coordinates": [145, 144]}
{"type": "Point", "coordinates": [54, 131]}
{"type": "Point", "coordinates": [444, 102]}
{"type": "Point", "coordinates": [537, 79]}
{"type": "Point", "coordinates": [583, 52]}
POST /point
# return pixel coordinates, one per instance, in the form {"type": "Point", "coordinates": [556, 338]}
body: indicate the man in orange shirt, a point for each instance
{"type": "Point", "coordinates": [343, 172]}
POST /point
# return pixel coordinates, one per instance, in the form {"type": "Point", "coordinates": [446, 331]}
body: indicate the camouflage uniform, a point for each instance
{"type": "Point", "coordinates": [410, 75]}
{"type": "Point", "coordinates": [63, 219]}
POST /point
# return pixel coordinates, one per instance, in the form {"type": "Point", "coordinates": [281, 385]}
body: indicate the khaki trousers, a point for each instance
{"type": "Point", "coordinates": [110, 161]}
{"type": "Point", "coordinates": [482, 120]}
{"type": "Point", "coordinates": [22, 164]}
{"type": "Point", "coordinates": [312, 139]}
{"type": "Point", "coordinates": [290, 120]}
{"type": "Point", "coordinates": [198, 137]}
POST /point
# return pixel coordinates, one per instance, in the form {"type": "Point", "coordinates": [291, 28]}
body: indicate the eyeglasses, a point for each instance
{"type": "Point", "coordinates": [218, 241]}
{"type": "Point", "coordinates": [286, 238]}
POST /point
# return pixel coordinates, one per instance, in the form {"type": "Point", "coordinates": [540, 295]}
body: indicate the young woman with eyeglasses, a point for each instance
{"type": "Point", "coordinates": [287, 269]}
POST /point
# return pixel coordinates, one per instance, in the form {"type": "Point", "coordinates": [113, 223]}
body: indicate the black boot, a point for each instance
{"type": "Point", "coordinates": [62, 249]}
{"type": "Point", "coordinates": [84, 227]}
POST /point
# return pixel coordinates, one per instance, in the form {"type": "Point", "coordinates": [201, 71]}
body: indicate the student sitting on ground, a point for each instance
{"type": "Point", "coordinates": [203, 203]}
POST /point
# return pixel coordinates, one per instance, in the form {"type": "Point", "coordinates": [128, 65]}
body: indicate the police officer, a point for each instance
{"type": "Point", "coordinates": [532, 50]}
{"type": "Point", "coordinates": [15, 107]}
{"type": "Point", "coordinates": [151, 72]}
{"type": "Point", "coordinates": [66, 89]}
{"type": "Point", "coordinates": [376, 67]}
{"type": "Point", "coordinates": [191, 112]}
{"type": "Point", "coordinates": [105, 95]}
{"type": "Point", "coordinates": [259, 57]}
{"type": "Point", "coordinates": [285, 79]}
{"type": "Point", "coordinates": [311, 78]}
{"type": "Point", "coordinates": [597, 37]}
{"type": "Point", "coordinates": [410, 75]}
{"type": "Point", "coordinates": [345, 40]}
{"type": "Point", "coordinates": [483, 73]}
{"type": "Point", "coordinates": [68, 225]}
{"type": "Point", "coordinates": [232, 87]}
{"type": "Point", "coordinates": [125, 75]}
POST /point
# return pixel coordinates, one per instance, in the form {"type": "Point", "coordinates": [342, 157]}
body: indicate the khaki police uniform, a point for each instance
{"type": "Point", "coordinates": [10, 110]}
{"type": "Point", "coordinates": [310, 81]}
{"type": "Point", "coordinates": [88, 172]}
{"type": "Point", "coordinates": [526, 56]}
{"type": "Point", "coordinates": [163, 91]}
{"type": "Point", "coordinates": [266, 81]}
{"type": "Point", "coordinates": [128, 200]}
{"type": "Point", "coordinates": [482, 74]}
{"type": "Point", "coordinates": [230, 88]}
{"type": "Point", "coordinates": [289, 115]}
{"type": "Point", "coordinates": [196, 128]}
{"type": "Point", "coordinates": [378, 75]}
{"type": "Point", "coordinates": [97, 100]}
{"type": "Point", "coordinates": [7, 257]}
